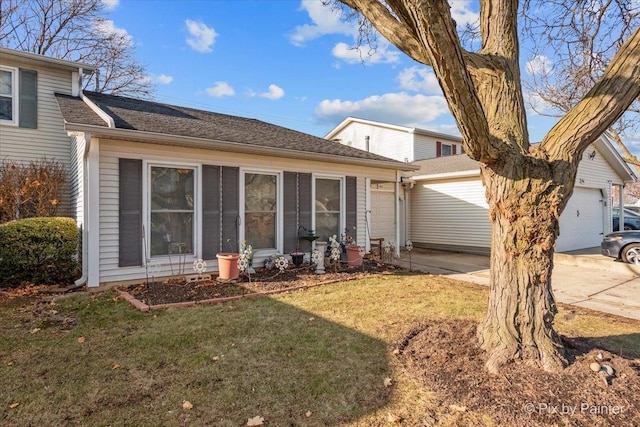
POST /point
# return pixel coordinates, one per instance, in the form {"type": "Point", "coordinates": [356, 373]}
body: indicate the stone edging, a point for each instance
{"type": "Point", "coordinates": [145, 307]}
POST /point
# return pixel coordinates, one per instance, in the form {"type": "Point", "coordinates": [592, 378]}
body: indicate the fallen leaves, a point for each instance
{"type": "Point", "coordinates": [255, 421]}
{"type": "Point", "coordinates": [187, 406]}
{"type": "Point", "coordinates": [81, 340]}
{"type": "Point", "coordinates": [14, 405]}
{"type": "Point", "coordinates": [388, 382]}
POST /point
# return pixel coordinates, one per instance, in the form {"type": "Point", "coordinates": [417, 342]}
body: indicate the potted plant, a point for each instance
{"type": "Point", "coordinates": [228, 264]}
{"type": "Point", "coordinates": [353, 251]}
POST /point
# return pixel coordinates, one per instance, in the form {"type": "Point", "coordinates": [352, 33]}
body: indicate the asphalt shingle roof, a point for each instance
{"type": "Point", "coordinates": [153, 117]}
{"type": "Point", "coordinates": [445, 164]}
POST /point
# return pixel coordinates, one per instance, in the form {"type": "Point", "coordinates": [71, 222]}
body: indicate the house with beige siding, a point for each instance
{"type": "Point", "coordinates": [168, 185]}
{"type": "Point", "coordinates": [444, 201]}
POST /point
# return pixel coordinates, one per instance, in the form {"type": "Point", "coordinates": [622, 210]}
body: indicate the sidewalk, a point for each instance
{"type": "Point", "coordinates": [581, 278]}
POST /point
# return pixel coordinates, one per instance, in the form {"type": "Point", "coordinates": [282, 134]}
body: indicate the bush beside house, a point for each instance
{"type": "Point", "coordinates": [38, 251]}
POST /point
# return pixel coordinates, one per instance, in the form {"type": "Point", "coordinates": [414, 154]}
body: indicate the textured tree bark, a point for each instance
{"type": "Point", "coordinates": [525, 206]}
{"type": "Point", "coordinates": [526, 186]}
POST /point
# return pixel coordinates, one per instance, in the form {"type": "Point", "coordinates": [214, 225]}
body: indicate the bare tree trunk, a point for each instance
{"type": "Point", "coordinates": [525, 206]}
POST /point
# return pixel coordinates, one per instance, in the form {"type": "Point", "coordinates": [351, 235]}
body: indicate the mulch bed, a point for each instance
{"type": "Point", "coordinates": [443, 356]}
{"type": "Point", "coordinates": [263, 281]}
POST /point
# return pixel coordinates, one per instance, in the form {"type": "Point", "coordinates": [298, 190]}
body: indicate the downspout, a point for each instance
{"type": "Point", "coordinates": [397, 212]}
{"type": "Point", "coordinates": [76, 90]}
{"type": "Point", "coordinates": [85, 213]}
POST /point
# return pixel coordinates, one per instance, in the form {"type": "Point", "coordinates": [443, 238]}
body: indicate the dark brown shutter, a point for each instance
{"type": "Point", "coordinates": [28, 99]}
{"type": "Point", "coordinates": [453, 149]}
{"type": "Point", "coordinates": [211, 223]}
{"type": "Point", "coordinates": [230, 209]}
{"type": "Point", "coordinates": [290, 203]}
{"type": "Point", "coordinates": [438, 149]}
{"type": "Point", "coordinates": [130, 213]}
{"type": "Point", "coordinates": [351, 198]}
{"type": "Point", "coordinates": [304, 206]}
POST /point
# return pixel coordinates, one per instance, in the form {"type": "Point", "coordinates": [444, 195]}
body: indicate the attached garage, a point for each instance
{"type": "Point", "coordinates": [582, 223]}
{"type": "Point", "coordinates": [449, 209]}
{"type": "Point", "coordinates": [383, 214]}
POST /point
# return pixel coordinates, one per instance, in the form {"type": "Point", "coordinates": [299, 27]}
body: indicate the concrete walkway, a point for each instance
{"type": "Point", "coordinates": [582, 278]}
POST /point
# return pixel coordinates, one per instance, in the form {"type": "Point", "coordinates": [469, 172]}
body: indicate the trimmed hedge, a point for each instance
{"type": "Point", "coordinates": [38, 251]}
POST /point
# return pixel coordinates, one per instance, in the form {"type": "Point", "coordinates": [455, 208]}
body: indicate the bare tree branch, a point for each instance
{"type": "Point", "coordinates": [76, 31]}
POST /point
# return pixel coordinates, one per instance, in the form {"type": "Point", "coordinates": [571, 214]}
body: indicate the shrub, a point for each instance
{"type": "Point", "coordinates": [30, 190]}
{"type": "Point", "coordinates": [39, 251]}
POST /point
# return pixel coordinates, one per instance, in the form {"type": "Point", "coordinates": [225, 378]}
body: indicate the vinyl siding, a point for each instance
{"type": "Point", "coordinates": [455, 212]}
{"type": "Point", "coordinates": [76, 179]}
{"type": "Point", "coordinates": [110, 151]}
{"type": "Point", "coordinates": [390, 143]}
{"type": "Point", "coordinates": [451, 214]}
{"type": "Point", "coordinates": [425, 146]}
{"type": "Point", "coordinates": [49, 140]}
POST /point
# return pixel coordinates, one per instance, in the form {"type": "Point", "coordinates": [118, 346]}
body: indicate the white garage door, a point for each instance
{"type": "Point", "coordinates": [382, 215]}
{"type": "Point", "coordinates": [582, 222]}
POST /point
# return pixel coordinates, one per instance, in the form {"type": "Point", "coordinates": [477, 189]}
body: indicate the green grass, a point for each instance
{"type": "Point", "coordinates": [325, 351]}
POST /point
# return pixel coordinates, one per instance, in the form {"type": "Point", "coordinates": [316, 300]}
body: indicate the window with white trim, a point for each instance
{"type": "Point", "coordinates": [8, 95]}
{"type": "Point", "coordinates": [328, 202]}
{"type": "Point", "coordinates": [261, 201]}
{"type": "Point", "coordinates": [171, 213]}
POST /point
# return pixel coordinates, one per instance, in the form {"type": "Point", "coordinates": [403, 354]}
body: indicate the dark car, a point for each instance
{"type": "Point", "coordinates": [624, 245]}
{"type": "Point", "coordinates": [631, 218]}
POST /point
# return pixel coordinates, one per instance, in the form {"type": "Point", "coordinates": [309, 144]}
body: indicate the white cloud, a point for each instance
{"type": "Point", "coordinates": [110, 4]}
{"type": "Point", "coordinates": [419, 79]}
{"type": "Point", "coordinates": [381, 55]}
{"type": "Point", "coordinates": [107, 28]}
{"type": "Point", "coordinates": [536, 105]}
{"type": "Point", "coordinates": [163, 79]}
{"type": "Point", "coordinates": [463, 14]}
{"type": "Point", "coordinates": [399, 108]}
{"type": "Point", "coordinates": [539, 64]}
{"type": "Point", "coordinates": [275, 92]}
{"type": "Point", "coordinates": [324, 19]}
{"type": "Point", "coordinates": [202, 37]}
{"type": "Point", "coordinates": [220, 89]}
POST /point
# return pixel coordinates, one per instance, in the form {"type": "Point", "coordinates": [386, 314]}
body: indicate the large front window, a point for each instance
{"type": "Point", "coordinates": [260, 210]}
{"type": "Point", "coordinates": [7, 95]}
{"type": "Point", "coordinates": [328, 208]}
{"type": "Point", "coordinates": [171, 210]}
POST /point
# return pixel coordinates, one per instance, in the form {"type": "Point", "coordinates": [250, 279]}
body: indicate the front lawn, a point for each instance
{"type": "Point", "coordinates": [321, 357]}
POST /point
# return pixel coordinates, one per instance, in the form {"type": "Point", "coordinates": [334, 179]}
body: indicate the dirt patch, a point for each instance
{"type": "Point", "coordinates": [444, 357]}
{"type": "Point", "coordinates": [263, 280]}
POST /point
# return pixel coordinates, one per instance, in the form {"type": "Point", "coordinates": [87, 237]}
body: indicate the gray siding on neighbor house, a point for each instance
{"type": "Point", "coordinates": [49, 139]}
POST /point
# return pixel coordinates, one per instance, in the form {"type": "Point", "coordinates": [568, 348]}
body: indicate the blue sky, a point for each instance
{"type": "Point", "coordinates": [288, 62]}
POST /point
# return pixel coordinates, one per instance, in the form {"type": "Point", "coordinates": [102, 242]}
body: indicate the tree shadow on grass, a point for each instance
{"type": "Point", "coordinates": [232, 362]}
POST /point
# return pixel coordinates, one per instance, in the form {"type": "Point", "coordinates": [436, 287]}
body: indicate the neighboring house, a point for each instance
{"type": "Point", "coordinates": [444, 202]}
{"type": "Point", "coordinates": [31, 126]}
{"type": "Point", "coordinates": [402, 143]}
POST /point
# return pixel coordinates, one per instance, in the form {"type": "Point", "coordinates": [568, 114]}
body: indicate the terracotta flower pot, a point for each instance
{"type": "Point", "coordinates": [228, 266]}
{"type": "Point", "coordinates": [353, 256]}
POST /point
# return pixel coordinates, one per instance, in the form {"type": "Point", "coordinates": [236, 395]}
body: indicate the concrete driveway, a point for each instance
{"type": "Point", "coordinates": [582, 278]}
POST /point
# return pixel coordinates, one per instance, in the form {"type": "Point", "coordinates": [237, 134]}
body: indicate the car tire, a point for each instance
{"type": "Point", "coordinates": [631, 254]}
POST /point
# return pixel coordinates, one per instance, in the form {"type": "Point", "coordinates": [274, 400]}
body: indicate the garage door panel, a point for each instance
{"type": "Point", "coordinates": [582, 222]}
